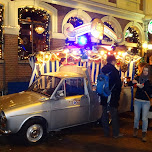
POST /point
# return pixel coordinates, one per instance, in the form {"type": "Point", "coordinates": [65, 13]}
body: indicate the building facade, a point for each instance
{"type": "Point", "coordinates": [29, 26]}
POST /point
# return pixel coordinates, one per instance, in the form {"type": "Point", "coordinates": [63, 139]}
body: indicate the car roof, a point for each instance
{"type": "Point", "coordinates": [63, 75]}
{"type": "Point", "coordinates": [68, 71]}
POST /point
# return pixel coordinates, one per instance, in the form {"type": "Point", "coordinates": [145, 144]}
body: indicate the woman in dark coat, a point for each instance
{"type": "Point", "coordinates": [141, 101]}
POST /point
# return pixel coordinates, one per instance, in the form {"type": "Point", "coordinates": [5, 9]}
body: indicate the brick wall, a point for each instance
{"type": "Point", "coordinates": [1, 77]}
{"type": "Point", "coordinates": [24, 72]}
{"type": "Point", "coordinates": [11, 56]}
{"type": "Point", "coordinates": [56, 43]}
{"type": "Point", "coordinates": [14, 71]}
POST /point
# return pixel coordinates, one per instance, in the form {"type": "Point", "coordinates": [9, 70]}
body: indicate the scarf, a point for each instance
{"type": "Point", "coordinates": [143, 78]}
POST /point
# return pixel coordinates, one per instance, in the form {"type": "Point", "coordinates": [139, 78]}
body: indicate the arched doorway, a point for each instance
{"type": "Point", "coordinates": [115, 26]}
{"type": "Point", "coordinates": [133, 38]}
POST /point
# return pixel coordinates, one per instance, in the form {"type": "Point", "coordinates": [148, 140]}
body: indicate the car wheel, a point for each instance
{"type": "Point", "coordinates": [33, 132]}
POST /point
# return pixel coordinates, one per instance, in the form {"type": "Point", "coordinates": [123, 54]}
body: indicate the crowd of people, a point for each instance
{"type": "Point", "coordinates": [142, 99]}
{"type": "Point", "coordinates": [143, 94]}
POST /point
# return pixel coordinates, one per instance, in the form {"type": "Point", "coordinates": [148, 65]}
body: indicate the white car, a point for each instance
{"type": "Point", "coordinates": [54, 101]}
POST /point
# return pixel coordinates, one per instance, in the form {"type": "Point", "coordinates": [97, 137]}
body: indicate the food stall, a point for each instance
{"type": "Point", "coordinates": [92, 57]}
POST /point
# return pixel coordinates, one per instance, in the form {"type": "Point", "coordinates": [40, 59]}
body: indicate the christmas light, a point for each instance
{"type": "Point", "coordinates": [82, 40]}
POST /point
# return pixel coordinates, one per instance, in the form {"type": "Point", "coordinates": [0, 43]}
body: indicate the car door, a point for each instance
{"type": "Point", "coordinates": [71, 106]}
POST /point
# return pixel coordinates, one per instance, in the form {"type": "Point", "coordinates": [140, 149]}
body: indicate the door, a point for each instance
{"type": "Point", "coordinates": [71, 106]}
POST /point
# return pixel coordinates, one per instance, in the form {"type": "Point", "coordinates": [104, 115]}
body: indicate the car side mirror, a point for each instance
{"type": "Point", "coordinates": [59, 94]}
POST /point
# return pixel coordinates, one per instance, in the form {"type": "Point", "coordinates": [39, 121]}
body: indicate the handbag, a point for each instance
{"type": "Point", "coordinates": [150, 99]}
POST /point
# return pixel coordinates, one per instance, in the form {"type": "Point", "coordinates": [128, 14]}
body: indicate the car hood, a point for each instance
{"type": "Point", "coordinates": [20, 99]}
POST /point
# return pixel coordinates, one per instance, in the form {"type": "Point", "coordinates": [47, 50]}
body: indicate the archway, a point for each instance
{"type": "Point", "coordinates": [112, 23]}
{"type": "Point", "coordinates": [133, 37]}
{"type": "Point", "coordinates": [39, 15]}
{"type": "Point", "coordinates": [80, 14]}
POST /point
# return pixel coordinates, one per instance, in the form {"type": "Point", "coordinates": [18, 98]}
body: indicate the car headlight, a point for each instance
{"type": "Point", "coordinates": [2, 119]}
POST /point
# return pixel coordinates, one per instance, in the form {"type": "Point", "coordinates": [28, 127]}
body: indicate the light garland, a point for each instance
{"type": "Point", "coordinates": [123, 58]}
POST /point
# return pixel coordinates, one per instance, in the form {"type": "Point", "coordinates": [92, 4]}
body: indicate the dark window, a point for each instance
{"type": "Point", "coordinates": [34, 31]}
{"type": "Point", "coordinates": [75, 21]}
{"type": "Point", "coordinates": [74, 86]}
{"type": "Point", "coordinates": [1, 31]}
{"type": "Point", "coordinates": [141, 4]}
{"type": "Point", "coordinates": [113, 1]}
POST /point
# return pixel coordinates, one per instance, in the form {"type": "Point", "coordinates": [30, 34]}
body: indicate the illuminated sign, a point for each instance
{"type": "Point", "coordinates": [150, 27]}
{"type": "Point", "coordinates": [96, 28]}
{"type": "Point", "coordinates": [111, 34]}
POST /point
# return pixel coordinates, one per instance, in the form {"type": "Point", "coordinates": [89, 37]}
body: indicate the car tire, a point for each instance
{"type": "Point", "coordinates": [33, 132]}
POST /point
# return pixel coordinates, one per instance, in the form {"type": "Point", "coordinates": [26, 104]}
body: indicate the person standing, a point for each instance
{"type": "Point", "coordinates": [115, 85]}
{"type": "Point", "coordinates": [141, 101]}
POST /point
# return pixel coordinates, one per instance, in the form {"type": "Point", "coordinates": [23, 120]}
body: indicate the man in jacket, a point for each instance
{"type": "Point", "coordinates": [112, 107]}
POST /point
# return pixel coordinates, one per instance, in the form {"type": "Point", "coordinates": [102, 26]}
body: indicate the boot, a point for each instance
{"type": "Point", "coordinates": [135, 133]}
{"type": "Point", "coordinates": [144, 139]}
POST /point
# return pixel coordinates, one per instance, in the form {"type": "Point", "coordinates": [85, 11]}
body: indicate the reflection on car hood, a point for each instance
{"type": "Point", "coordinates": [20, 99]}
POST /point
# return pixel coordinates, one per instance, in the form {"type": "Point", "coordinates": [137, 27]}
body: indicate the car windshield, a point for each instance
{"type": "Point", "coordinates": [45, 85]}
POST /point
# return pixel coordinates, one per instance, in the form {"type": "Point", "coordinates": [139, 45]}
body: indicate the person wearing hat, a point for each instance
{"type": "Point", "coordinates": [115, 87]}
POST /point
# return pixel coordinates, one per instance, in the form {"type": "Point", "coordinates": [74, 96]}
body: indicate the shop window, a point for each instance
{"type": "Point", "coordinates": [34, 31]}
{"type": "Point", "coordinates": [113, 1]}
{"type": "Point", "coordinates": [74, 86]}
{"type": "Point", "coordinates": [106, 38]}
{"type": "Point", "coordinates": [131, 35]}
{"type": "Point", "coordinates": [1, 31]}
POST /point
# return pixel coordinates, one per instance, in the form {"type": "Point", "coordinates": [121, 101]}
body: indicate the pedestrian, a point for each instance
{"type": "Point", "coordinates": [142, 100]}
{"type": "Point", "coordinates": [115, 85]}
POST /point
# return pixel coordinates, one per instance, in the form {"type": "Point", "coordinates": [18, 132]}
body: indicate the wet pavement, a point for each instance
{"type": "Point", "coordinates": [85, 138]}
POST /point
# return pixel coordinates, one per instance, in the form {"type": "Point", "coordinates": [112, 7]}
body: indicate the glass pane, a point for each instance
{"type": "Point", "coordinates": [74, 86]}
{"type": "Point", "coordinates": [45, 85]}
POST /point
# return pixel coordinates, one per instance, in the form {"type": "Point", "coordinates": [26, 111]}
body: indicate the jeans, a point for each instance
{"type": "Point", "coordinates": [144, 106]}
{"type": "Point", "coordinates": [105, 120]}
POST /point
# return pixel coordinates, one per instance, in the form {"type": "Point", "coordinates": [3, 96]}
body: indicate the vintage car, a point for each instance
{"type": "Point", "coordinates": [54, 101]}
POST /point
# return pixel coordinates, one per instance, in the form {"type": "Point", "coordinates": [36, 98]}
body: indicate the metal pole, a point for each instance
{"type": "Point", "coordinates": [32, 36]}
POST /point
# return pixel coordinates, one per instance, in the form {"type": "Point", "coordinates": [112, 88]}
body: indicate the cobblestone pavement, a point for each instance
{"type": "Point", "coordinates": [85, 138]}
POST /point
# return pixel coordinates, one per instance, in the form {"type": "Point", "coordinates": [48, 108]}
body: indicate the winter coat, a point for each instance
{"type": "Point", "coordinates": [114, 80]}
{"type": "Point", "coordinates": [140, 92]}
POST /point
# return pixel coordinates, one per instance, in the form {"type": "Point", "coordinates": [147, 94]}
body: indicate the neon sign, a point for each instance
{"type": "Point", "coordinates": [96, 28]}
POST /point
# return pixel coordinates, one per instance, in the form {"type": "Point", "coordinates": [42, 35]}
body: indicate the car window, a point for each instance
{"type": "Point", "coordinates": [45, 85]}
{"type": "Point", "coordinates": [74, 86]}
